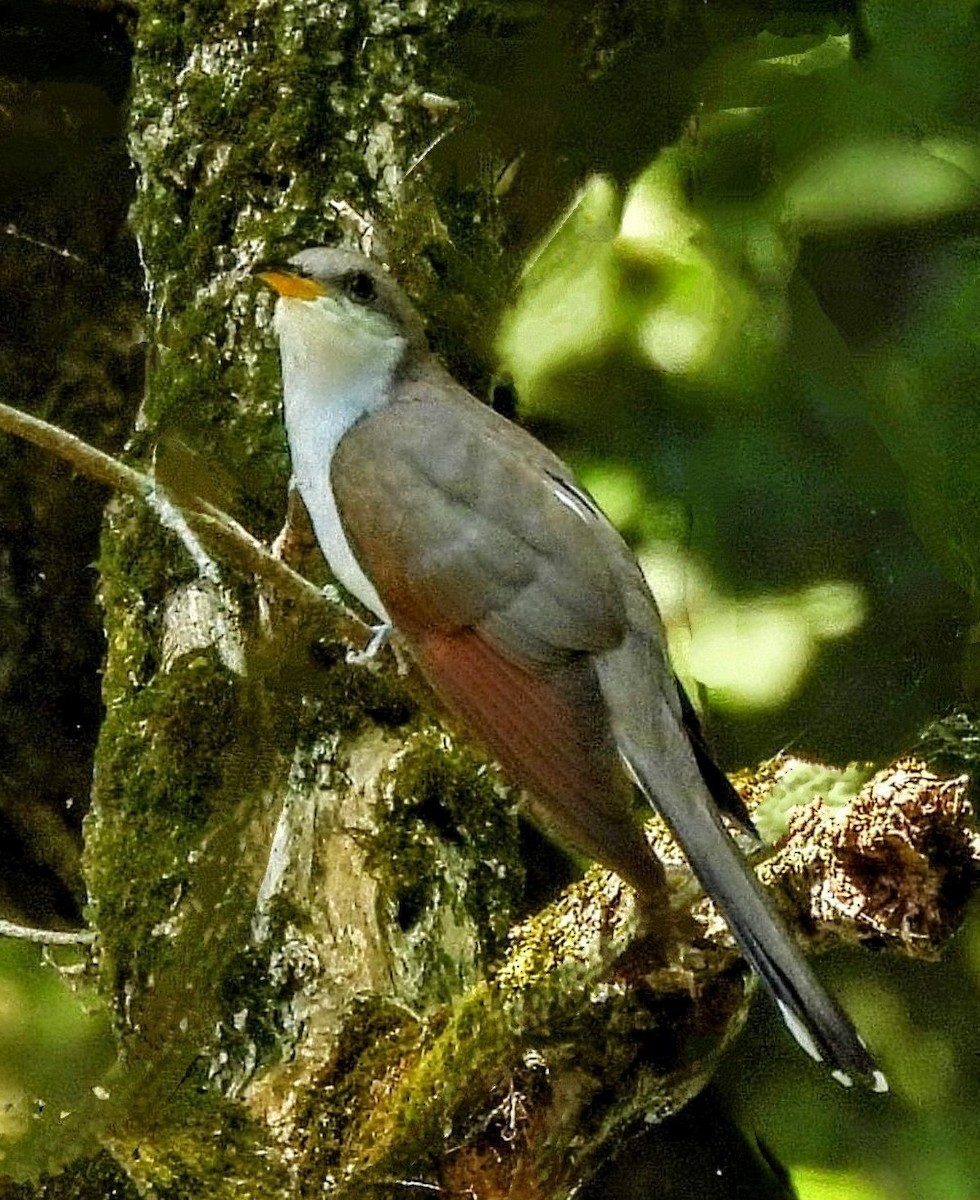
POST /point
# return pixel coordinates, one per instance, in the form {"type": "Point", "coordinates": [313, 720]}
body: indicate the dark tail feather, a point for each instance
{"type": "Point", "coordinates": [717, 782]}
{"type": "Point", "coordinates": [813, 1017]}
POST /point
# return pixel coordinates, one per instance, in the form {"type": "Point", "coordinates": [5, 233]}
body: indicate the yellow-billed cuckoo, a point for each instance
{"type": "Point", "coordinates": [522, 605]}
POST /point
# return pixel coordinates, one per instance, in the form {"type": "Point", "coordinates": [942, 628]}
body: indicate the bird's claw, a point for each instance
{"type": "Point", "coordinates": [379, 636]}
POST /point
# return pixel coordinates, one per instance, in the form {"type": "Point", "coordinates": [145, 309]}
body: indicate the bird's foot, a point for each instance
{"type": "Point", "coordinates": [379, 636]}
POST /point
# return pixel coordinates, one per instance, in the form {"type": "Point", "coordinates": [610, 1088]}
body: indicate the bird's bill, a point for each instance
{"type": "Point", "coordinates": [289, 284]}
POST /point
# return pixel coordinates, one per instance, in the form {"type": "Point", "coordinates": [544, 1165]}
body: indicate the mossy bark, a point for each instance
{"type": "Point", "coordinates": [274, 835]}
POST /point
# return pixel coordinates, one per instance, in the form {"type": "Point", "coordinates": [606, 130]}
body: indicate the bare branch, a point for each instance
{"type": "Point", "coordinates": [47, 937]}
{"type": "Point", "coordinates": [235, 543]}
{"type": "Point", "coordinates": [85, 458]}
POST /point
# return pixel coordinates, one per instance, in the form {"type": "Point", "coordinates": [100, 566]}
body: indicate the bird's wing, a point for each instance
{"type": "Point", "coordinates": [463, 521]}
{"type": "Point", "coordinates": [528, 615]}
{"type": "Point", "coordinates": [490, 561]}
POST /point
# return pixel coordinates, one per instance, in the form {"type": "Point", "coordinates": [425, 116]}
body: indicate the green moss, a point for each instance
{"type": "Point", "coordinates": [154, 797]}
{"type": "Point", "coordinates": [100, 1175]}
{"type": "Point", "coordinates": [441, 1095]}
{"type": "Point", "coordinates": [385, 1106]}
{"type": "Point", "coordinates": [212, 1151]}
{"type": "Point", "coordinates": [951, 745]}
{"type": "Point", "coordinates": [345, 697]}
{"type": "Point", "coordinates": [257, 1001]}
{"type": "Point", "coordinates": [139, 562]}
{"type": "Point", "coordinates": [441, 802]}
{"type": "Point", "coordinates": [175, 774]}
{"type": "Point", "coordinates": [431, 1086]}
{"type": "Point", "coordinates": [376, 1038]}
{"type": "Point", "coordinates": [801, 785]}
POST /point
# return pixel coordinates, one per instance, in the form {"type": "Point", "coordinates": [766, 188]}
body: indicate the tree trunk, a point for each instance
{"type": "Point", "coordinates": [306, 856]}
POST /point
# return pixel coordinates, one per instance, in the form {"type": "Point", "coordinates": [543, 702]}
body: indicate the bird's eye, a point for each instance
{"type": "Point", "coordinates": [360, 287]}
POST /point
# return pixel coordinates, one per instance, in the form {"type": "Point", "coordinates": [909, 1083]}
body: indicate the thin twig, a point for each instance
{"type": "Point", "coordinates": [237, 545]}
{"type": "Point", "coordinates": [246, 552]}
{"type": "Point", "coordinates": [13, 231]}
{"type": "Point", "coordinates": [87, 459]}
{"type": "Point", "coordinates": [47, 937]}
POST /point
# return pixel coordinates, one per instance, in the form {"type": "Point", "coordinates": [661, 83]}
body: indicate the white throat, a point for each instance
{"type": "Point", "coordinates": [337, 365]}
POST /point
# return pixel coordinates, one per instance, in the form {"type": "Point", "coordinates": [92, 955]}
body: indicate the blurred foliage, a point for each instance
{"type": "Point", "coordinates": [774, 327]}
{"type": "Point", "coordinates": [762, 350]}
{"type": "Point", "coordinates": [814, 1183]}
{"type": "Point", "coordinates": [68, 353]}
{"type": "Point", "coordinates": [55, 1047]}
{"type": "Point", "coordinates": [918, 1143]}
{"type": "Point", "coordinates": [675, 1161]}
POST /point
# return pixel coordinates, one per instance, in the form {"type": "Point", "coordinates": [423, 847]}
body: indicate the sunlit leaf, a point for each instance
{"type": "Point", "coordinates": [882, 183]}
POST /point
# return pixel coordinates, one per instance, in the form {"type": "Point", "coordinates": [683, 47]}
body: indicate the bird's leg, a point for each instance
{"type": "Point", "coordinates": [379, 637]}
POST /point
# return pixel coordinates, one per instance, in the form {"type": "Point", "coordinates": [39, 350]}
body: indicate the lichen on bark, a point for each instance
{"type": "Point", "coordinates": [270, 832]}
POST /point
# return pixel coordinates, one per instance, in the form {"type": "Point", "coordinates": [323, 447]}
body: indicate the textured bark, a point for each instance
{"type": "Point", "coordinates": [299, 842]}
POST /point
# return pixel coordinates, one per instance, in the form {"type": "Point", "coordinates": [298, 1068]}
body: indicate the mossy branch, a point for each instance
{"type": "Point", "coordinates": [584, 1030]}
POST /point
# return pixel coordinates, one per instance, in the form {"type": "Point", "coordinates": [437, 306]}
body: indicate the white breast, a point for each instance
{"type": "Point", "coordinates": [332, 375]}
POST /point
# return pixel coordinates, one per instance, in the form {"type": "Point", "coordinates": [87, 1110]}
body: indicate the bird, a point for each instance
{"type": "Point", "coordinates": [521, 605]}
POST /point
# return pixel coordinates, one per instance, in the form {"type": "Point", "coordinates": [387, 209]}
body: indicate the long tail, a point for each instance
{"type": "Point", "coordinates": [813, 1017]}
